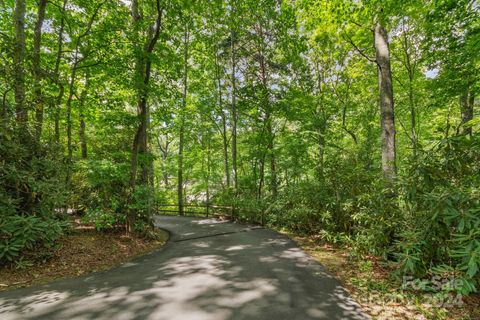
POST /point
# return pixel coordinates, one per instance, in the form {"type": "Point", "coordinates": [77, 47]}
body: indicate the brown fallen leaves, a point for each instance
{"type": "Point", "coordinates": [80, 252]}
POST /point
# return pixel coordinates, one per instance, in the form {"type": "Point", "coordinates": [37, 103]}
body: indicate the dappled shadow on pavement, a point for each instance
{"type": "Point", "coordinates": [250, 274]}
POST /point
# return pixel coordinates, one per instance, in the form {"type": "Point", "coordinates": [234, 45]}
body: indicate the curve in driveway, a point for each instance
{"type": "Point", "coordinates": [208, 270]}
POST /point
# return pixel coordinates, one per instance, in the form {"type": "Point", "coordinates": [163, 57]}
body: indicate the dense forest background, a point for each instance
{"type": "Point", "coordinates": [353, 120]}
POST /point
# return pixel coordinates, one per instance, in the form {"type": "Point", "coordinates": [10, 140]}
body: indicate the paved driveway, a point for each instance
{"type": "Point", "coordinates": [208, 270]}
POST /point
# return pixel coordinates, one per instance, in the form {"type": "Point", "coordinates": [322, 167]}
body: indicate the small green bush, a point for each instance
{"type": "Point", "coordinates": [100, 185]}
{"type": "Point", "coordinates": [21, 234]}
{"type": "Point", "coordinates": [440, 198]}
{"type": "Point", "coordinates": [103, 220]}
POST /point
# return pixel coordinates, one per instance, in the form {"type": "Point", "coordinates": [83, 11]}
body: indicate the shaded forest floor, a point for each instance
{"type": "Point", "coordinates": [372, 284]}
{"type": "Point", "coordinates": [82, 251]}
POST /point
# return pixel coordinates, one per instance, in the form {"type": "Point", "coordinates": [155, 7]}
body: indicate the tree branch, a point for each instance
{"type": "Point", "coordinates": [158, 25]}
{"type": "Point", "coordinates": [360, 50]}
{"type": "Point", "coordinates": [90, 65]}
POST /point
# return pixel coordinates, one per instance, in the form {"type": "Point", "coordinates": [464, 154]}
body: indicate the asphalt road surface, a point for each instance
{"type": "Point", "coordinates": [209, 270]}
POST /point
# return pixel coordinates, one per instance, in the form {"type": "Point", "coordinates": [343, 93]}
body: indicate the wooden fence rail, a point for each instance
{"type": "Point", "coordinates": [225, 211]}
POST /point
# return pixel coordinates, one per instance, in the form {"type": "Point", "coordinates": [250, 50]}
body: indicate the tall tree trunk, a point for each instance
{"type": "Point", "coordinates": [142, 78]}
{"type": "Point", "coordinates": [268, 120]}
{"type": "Point", "coordinates": [23, 190]}
{"type": "Point", "coordinates": [234, 112]}
{"type": "Point", "coordinates": [413, 117]}
{"type": "Point", "coordinates": [81, 133]}
{"type": "Point", "coordinates": [164, 151]}
{"type": "Point", "coordinates": [36, 66]}
{"type": "Point", "coordinates": [207, 176]}
{"type": "Point", "coordinates": [387, 118]}
{"type": "Point", "coordinates": [467, 101]}
{"type": "Point", "coordinates": [71, 93]}
{"type": "Point", "coordinates": [261, 178]}
{"type": "Point", "coordinates": [321, 150]}
{"type": "Point", "coordinates": [321, 122]}
{"type": "Point", "coordinates": [5, 115]}
{"type": "Point", "coordinates": [225, 149]}
{"type": "Point", "coordinates": [271, 155]}
{"type": "Point", "coordinates": [18, 66]}
{"type": "Point", "coordinates": [56, 73]}
{"type": "Point", "coordinates": [224, 122]}
{"type": "Point", "coordinates": [58, 104]}
{"type": "Point", "coordinates": [180, 193]}
{"type": "Point", "coordinates": [273, 162]}
{"type": "Point", "coordinates": [411, 101]}
{"type": "Point", "coordinates": [471, 102]}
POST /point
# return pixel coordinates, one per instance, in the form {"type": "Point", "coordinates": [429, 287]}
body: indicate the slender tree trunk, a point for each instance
{"type": "Point", "coordinates": [225, 149]}
{"type": "Point", "coordinates": [224, 122]}
{"type": "Point", "coordinates": [180, 181]}
{"type": "Point", "coordinates": [271, 156]}
{"type": "Point", "coordinates": [56, 74]}
{"type": "Point", "coordinates": [413, 117]}
{"type": "Point", "coordinates": [164, 151]}
{"type": "Point", "coordinates": [466, 109]}
{"type": "Point", "coordinates": [18, 66]}
{"type": "Point", "coordinates": [207, 176]}
{"type": "Point", "coordinates": [182, 124]}
{"type": "Point", "coordinates": [447, 123]}
{"type": "Point", "coordinates": [321, 122]}
{"type": "Point", "coordinates": [81, 133]}
{"type": "Point", "coordinates": [344, 124]}
{"type": "Point", "coordinates": [471, 102]}
{"type": "Point", "coordinates": [411, 101]}
{"type": "Point", "coordinates": [143, 142]}
{"type": "Point", "coordinates": [268, 122]}
{"type": "Point", "coordinates": [36, 66]}
{"type": "Point", "coordinates": [321, 150]}
{"type": "Point", "coordinates": [57, 113]}
{"type": "Point", "coordinates": [82, 137]}
{"type": "Point", "coordinates": [387, 119]}
{"type": "Point", "coordinates": [141, 91]}
{"type": "Point", "coordinates": [234, 112]}
{"type": "Point", "coordinates": [23, 190]}
{"type": "Point", "coordinates": [5, 115]}
{"type": "Point", "coordinates": [71, 92]}
{"type": "Point", "coordinates": [261, 181]}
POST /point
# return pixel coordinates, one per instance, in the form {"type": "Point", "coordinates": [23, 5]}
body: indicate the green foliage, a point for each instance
{"type": "Point", "coordinates": [23, 234]}
{"type": "Point", "coordinates": [142, 204]}
{"type": "Point", "coordinates": [278, 105]}
{"type": "Point", "coordinates": [441, 203]}
{"type": "Point", "coordinates": [100, 186]}
{"type": "Point", "coordinates": [302, 209]}
{"type": "Point", "coordinates": [429, 223]}
{"type": "Point", "coordinates": [31, 196]}
{"type": "Point", "coordinates": [23, 263]}
{"type": "Point", "coordinates": [103, 220]}
{"type": "Point", "coordinates": [29, 182]}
